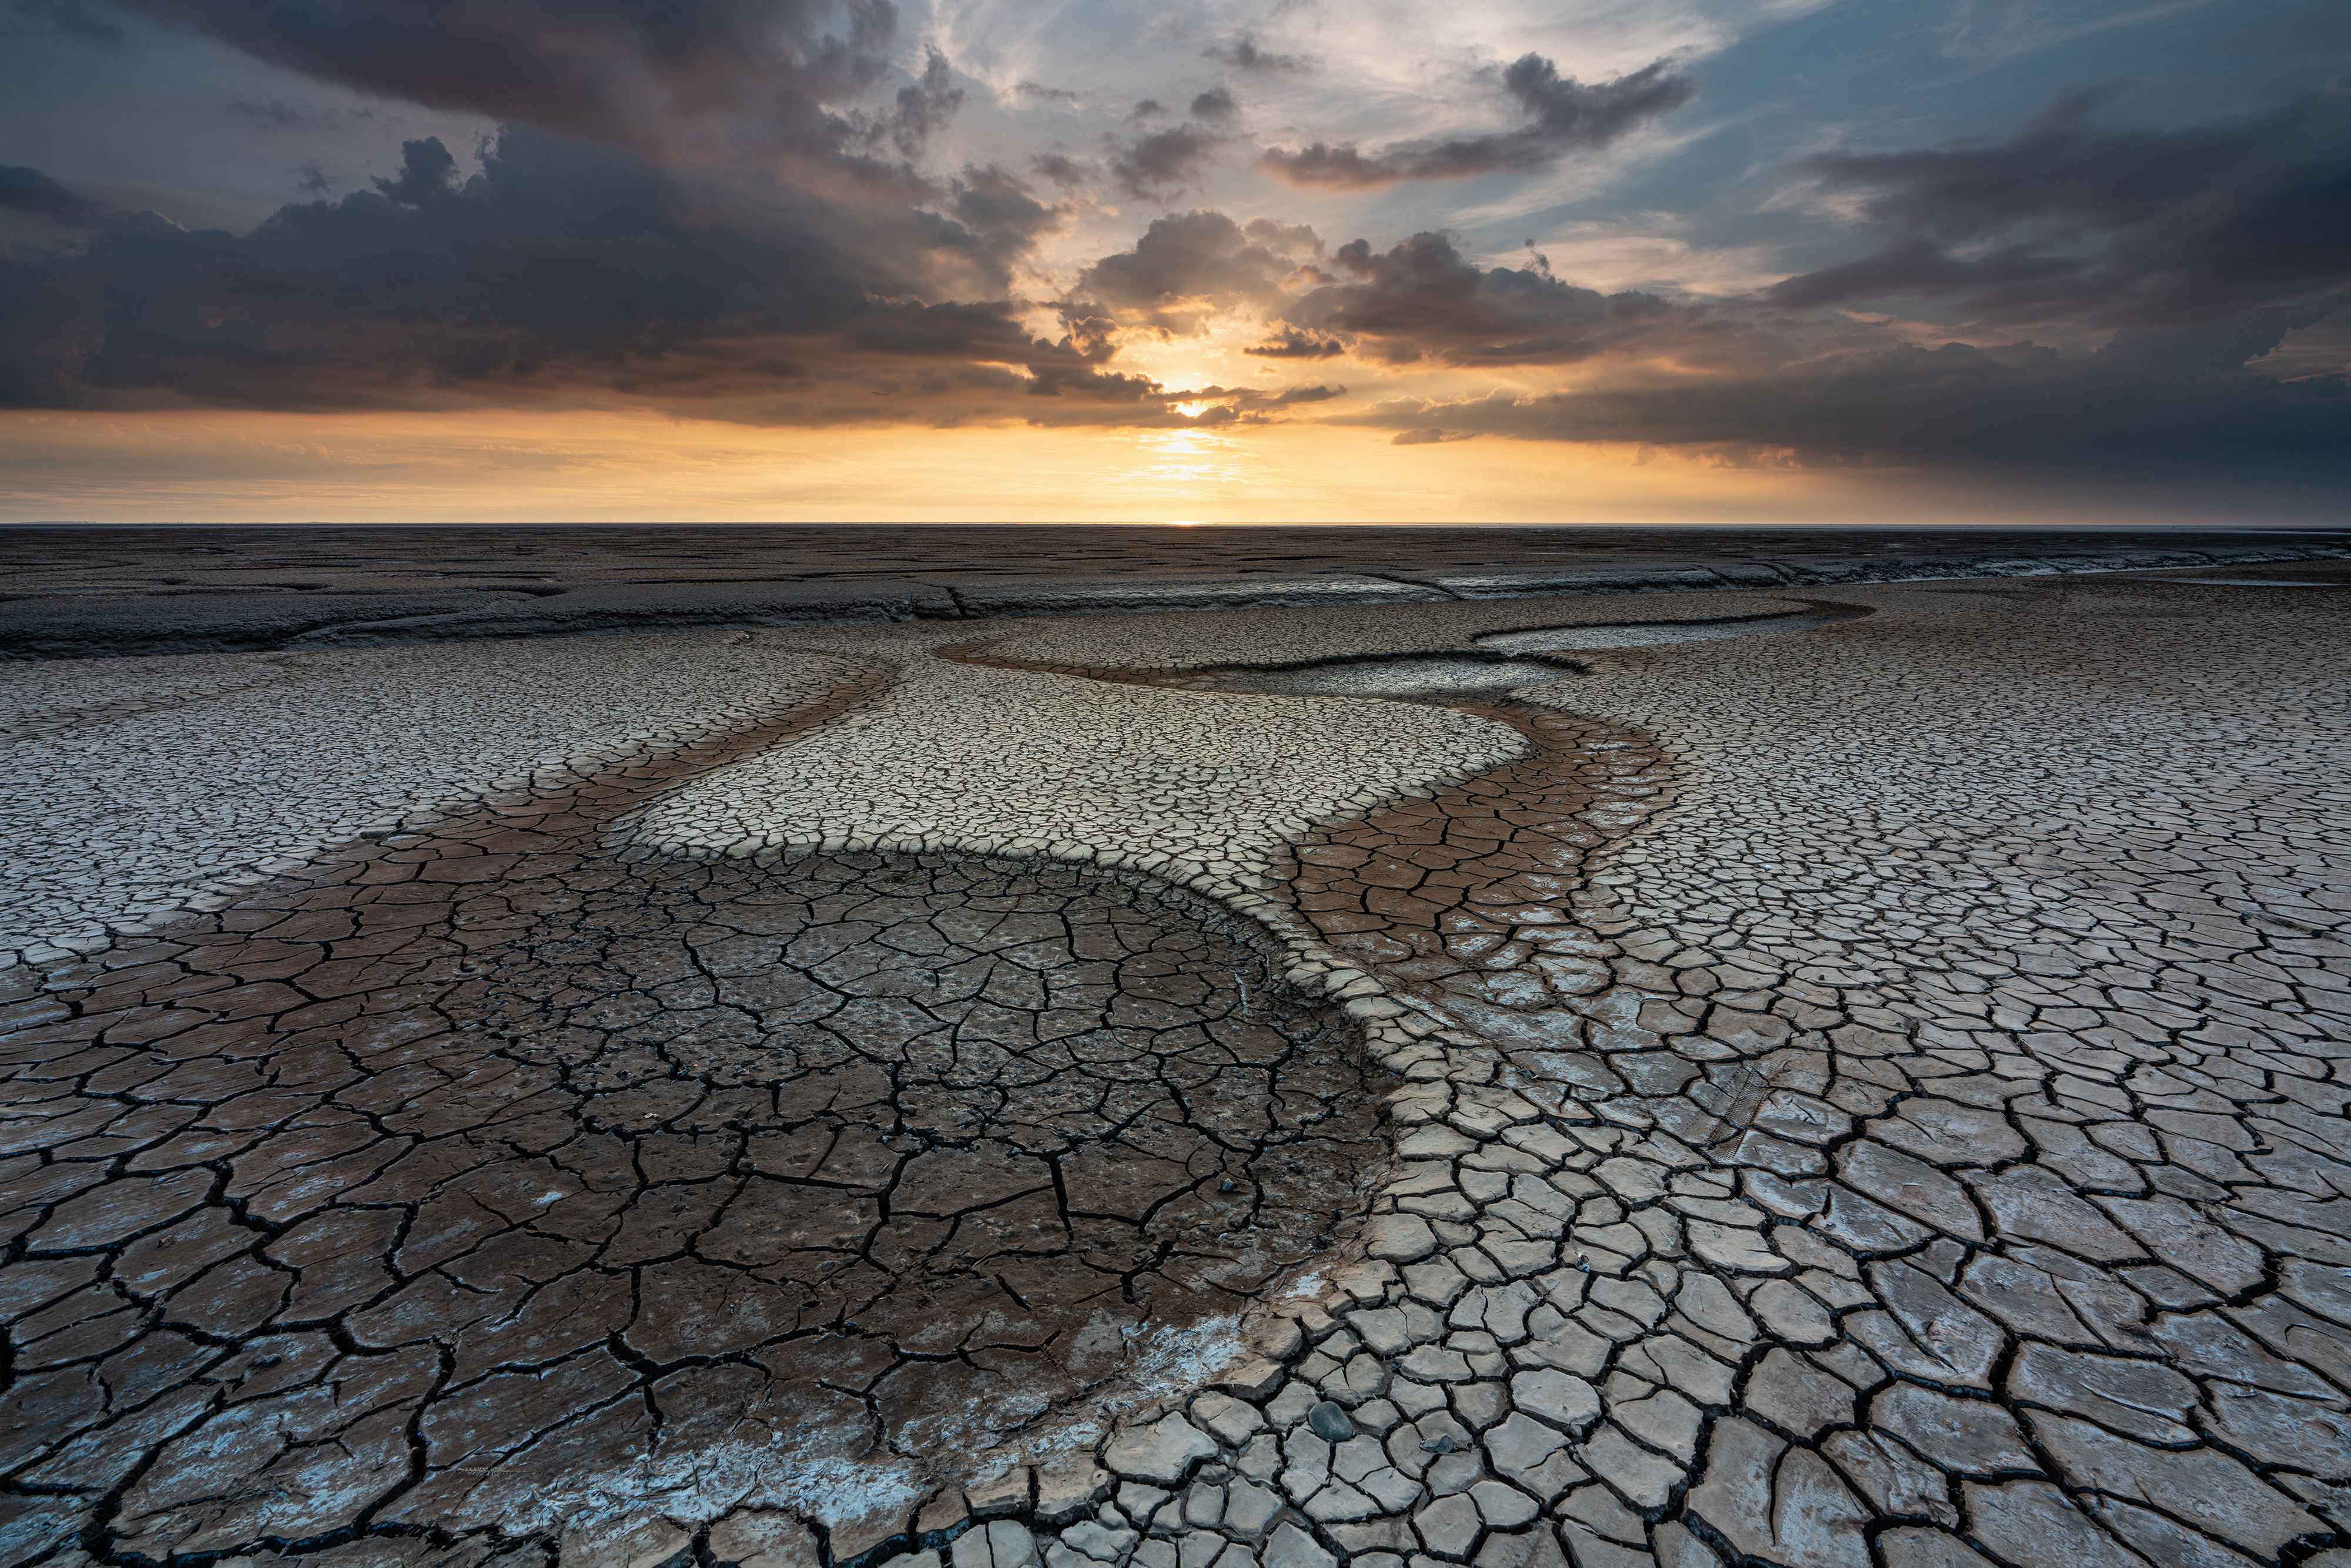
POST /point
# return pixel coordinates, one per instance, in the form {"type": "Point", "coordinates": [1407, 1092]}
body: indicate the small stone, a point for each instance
{"type": "Point", "coordinates": [1330, 1423]}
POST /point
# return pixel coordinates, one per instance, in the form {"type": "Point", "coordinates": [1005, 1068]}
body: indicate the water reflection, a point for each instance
{"type": "Point", "coordinates": [1413, 677]}
{"type": "Point", "coordinates": [1648, 633]}
{"type": "Point", "coordinates": [1491, 669]}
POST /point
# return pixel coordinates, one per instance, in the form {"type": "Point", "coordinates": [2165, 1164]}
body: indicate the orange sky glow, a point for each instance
{"type": "Point", "coordinates": [578, 465]}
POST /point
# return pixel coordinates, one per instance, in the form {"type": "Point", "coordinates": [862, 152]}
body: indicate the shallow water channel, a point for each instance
{"type": "Point", "coordinates": [1498, 662]}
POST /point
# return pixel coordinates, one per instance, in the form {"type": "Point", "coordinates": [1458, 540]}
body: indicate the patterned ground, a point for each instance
{"type": "Point", "coordinates": [1868, 1099]}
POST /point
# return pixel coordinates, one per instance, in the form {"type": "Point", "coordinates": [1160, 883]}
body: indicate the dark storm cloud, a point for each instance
{"type": "Point", "coordinates": [2071, 219]}
{"type": "Point", "coordinates": [2152, 397]}
{"type": "Point", "coordinates": [565, 271]}
{"type": "Point", "coordinates": [23, 190]}
{"type": "Point", "coordinates": [560, 265]}
{"type": "Point", "coordinates": [1421, 300]}
{"type": "Point", "coordinates": [1564, 116]}
{"type": "Point", "coordinates": [648, 75]}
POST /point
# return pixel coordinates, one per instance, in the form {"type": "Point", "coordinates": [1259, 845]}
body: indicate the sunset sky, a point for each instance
{"type": "Point", "coordinates": [1687, 260]}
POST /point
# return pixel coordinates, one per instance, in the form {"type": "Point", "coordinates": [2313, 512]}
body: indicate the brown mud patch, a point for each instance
{"type": "Point", "coordinates": [485, 1165]}
{"type": "Point", "coordinates": [1464, 897]}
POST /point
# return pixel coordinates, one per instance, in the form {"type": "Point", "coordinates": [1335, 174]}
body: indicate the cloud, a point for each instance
{"type": "Point", "coordinates": [1421, 300]}
{"type": "Point", "coordinates": [23, 190]}
{"type": "Point", "coordinates": [2069, 219]}
{"type": "Point", "coordinates": [1198, 257]}
{"type": "Point", "coordinates": [921, 111]}
{"type": "Point", "coordinates": [561, 266]}
{"type": "Point", "coordinates": [1429, 435]}
{"type": "Point", "coordinates": [1289, 343]}
{"type": "Point", "coordinates": [1243, 54]}
{"type": "Point", "coordinates": [1155, 166]}
{"type": "Point", "coordinates": [1005, 213]}
{"type": "Point", "coordinates": [1216, 104]}
{"type": "Point", "coordinates": [1565, 116]}
{"type": "Point", "coordinates": [568, 273]}
{"type": "Point", "coordinates": [2151, 398]}
{"type": "Point", "coordinates": [1063, 169]}
{"type": "Point", "coordinates": [658, 80]}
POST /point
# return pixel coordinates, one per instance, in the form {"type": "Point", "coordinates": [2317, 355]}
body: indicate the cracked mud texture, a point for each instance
{"type": "Point", "coordinates": [491, 1176]}
{"type": "Point", "coordinates": [1872, 1098]}
{"type": "Point", "coordinates": [1923, 1145]}
{"type": "Point", "coordinates": [137, 787]}
{"type": "Point", "coordinates": [108, 592]}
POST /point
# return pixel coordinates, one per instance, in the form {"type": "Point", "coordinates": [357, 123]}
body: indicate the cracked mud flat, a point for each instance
{"type": "Point", "coordinates": [1869, 1097]}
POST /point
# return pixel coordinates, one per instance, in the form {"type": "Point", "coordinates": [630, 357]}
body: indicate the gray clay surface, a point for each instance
{"type": "Point", "coordinates": [1865, 1096]}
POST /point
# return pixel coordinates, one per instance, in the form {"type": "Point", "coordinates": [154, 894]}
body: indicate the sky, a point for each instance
{"type": "Point", "coordinates": [1195, 260]}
